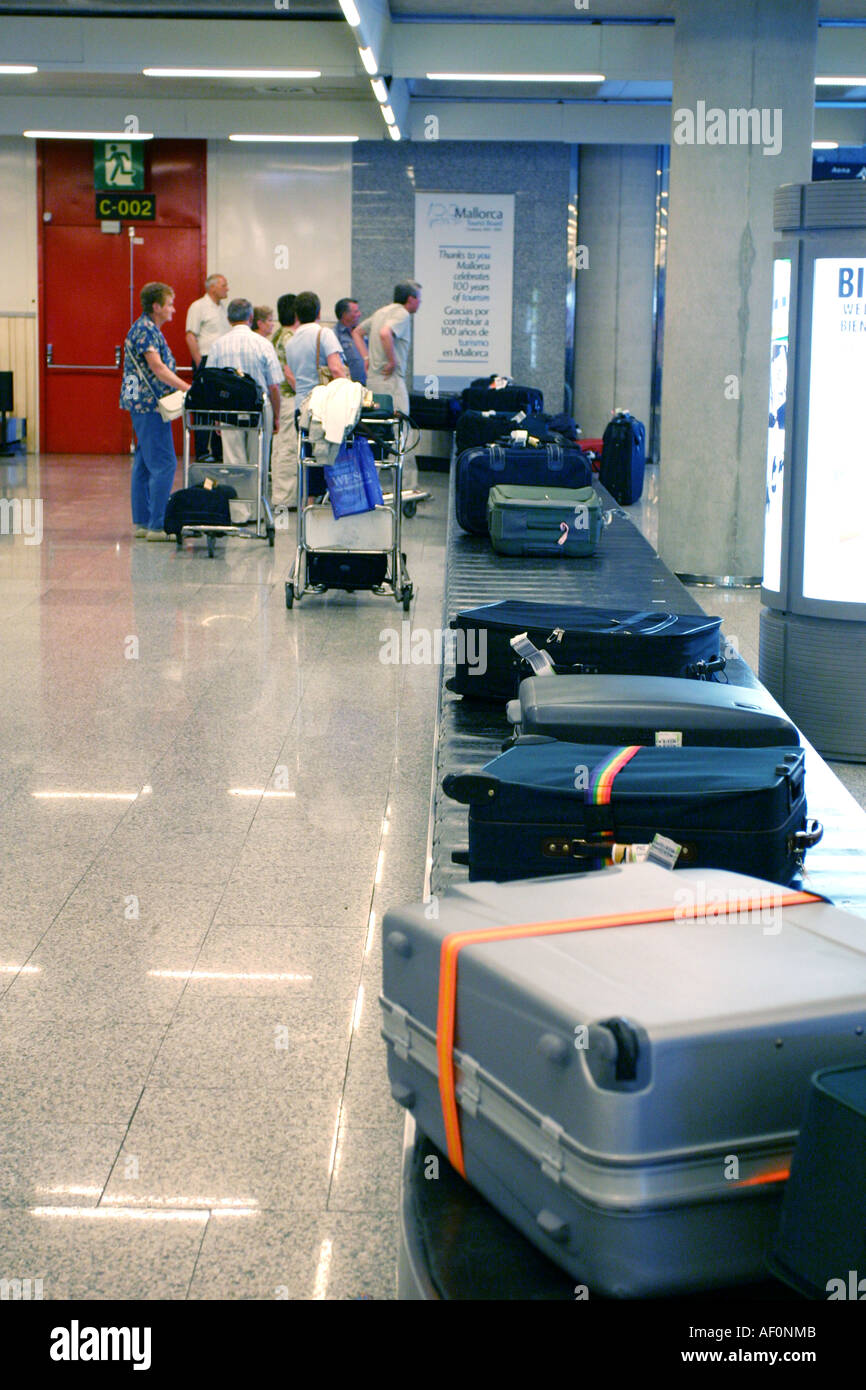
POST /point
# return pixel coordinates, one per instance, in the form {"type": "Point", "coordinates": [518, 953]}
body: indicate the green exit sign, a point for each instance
{"type": "Point", "coordinates": [118, 164]}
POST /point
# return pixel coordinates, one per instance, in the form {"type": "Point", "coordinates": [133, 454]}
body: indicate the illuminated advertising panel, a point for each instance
{"type": "Point", "coordinates": [776, 431]}
{"type": "Point", "coordinates": [834, 544]}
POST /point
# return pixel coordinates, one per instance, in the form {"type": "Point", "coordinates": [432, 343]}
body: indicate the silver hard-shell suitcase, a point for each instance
{"type": "Point", "coordinates": [627, 1095]}
{"type": "Point", "coordinates": [650, 710]}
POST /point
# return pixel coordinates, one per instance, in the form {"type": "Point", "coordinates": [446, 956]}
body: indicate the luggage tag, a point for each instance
{"type": "Point", "coordinates": [539, 661]}
{"type": "Point", "coordinates": [663, 851]}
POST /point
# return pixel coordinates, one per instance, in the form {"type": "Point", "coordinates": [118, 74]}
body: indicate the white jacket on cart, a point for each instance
{"type": "Point", "coordinates": [335, 408]}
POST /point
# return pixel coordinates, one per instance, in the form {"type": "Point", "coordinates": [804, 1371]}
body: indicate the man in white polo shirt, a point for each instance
{"type": "Point", "coordinates": [205, 322]}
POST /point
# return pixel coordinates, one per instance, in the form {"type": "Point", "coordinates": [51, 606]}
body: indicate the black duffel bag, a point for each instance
{"type": "Point", "coordinates": [224, 389]}
{"type": "Point", "coordinates": [198, 506]}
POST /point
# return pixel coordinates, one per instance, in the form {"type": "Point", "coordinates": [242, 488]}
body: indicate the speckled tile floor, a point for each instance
{"type": "Point", "coordinates": [205, 803]}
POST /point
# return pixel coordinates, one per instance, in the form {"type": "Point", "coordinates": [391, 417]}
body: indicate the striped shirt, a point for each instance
{"type": "Point", "coordinates": [249, 352]}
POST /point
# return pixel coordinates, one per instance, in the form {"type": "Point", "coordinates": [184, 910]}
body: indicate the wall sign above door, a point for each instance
{"type": "Point", "coordinates": [140, 207]}
{"type": "Point", "coordinates": [118, 164]}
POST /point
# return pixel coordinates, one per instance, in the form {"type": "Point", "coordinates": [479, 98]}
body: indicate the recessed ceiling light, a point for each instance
{"type": "Point", "coordinates": [394, 132]}
{"type": "Point", "coordinates": [349, 10]}
{"type": "Point", "coordinates": [16, 69]}
{"type": "Point", "coordinates": [88, 135]}
{"type": "Point", "coordinates": [369, 61]}
{"type": "Point", "coordinates": [840, 81]}
{"type": "Point", "coordinates": [380, 91]}
{"type": "Point", "coordinates": [825, 144]}
{"type": "Point", "coordinates": [232, 72]}
{"type": "Point", "coordinates": [515, 76]}
{"type": "Point", "coordinates": [389, 115]}
{"type": "Point", "coordinates": [297, 139]}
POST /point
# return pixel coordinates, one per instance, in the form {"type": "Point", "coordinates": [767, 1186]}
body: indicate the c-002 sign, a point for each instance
{"type": "Point", "coordinates": [127, 206]}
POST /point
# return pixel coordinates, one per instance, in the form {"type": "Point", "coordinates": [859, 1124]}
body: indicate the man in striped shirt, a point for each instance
{"type": "Point", "coordinates": [251, 353]}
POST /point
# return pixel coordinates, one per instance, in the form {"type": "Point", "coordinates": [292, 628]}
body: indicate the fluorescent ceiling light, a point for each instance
{"type": "Point", "coordinates": [369, 61]}
{"type": "Point", "coordinates": [380, 91]}
{"type": "Point", "coordinates": [515, 76]}
{"type": "Point", "coordinates": [278, 73]}
{"type": "Point", "coordinates": [16, 69]}
{"type": "Point", "coordinates": [825, 144]}
{"type": "Point", "coordinates": [298, 139]}
{"type": "Point", "coordinates": [389, 115]}
{"type": "Point", "coordinates": [85, 796]}
{"type": "Point", "coordinates": [87, 135]}
{"type": "Point", "coordinates": [394, 132]}
{"type": "Point", "coordinates": [840, 81]}
{"type": "Point", "coordinates": [349, 10]}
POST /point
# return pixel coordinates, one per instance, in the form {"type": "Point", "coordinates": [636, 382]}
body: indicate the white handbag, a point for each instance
{"type": "Point", "coordinates": [170, 407]}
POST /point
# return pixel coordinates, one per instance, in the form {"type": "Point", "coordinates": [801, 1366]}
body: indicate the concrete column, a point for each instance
{"type": "Point", "coordinates": [613, 337]}
{"type": "Point", "coordinates": [745, 56]}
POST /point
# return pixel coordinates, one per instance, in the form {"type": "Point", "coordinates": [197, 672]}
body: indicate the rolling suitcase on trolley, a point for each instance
{"type": "Point", "coordinates": [619, 1062]}
{"type": "Point", "coordinates": [555, 521]}
{"type": "Point", "coordinates": [623, 458]}
{"type": "Point", "coordinates": [581, 638]}
{"type": "Point", "coordinates": [661, 710]}
{"type": "Point", "coordinates": [478, 470]}
{"type": "Point", "coordinates": [544, 808]}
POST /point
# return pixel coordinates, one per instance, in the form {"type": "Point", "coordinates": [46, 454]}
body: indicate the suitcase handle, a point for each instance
{"type": "Point", "coordinates": [806, 838]}
{"type": "Point", "coordinates": [576, 847]}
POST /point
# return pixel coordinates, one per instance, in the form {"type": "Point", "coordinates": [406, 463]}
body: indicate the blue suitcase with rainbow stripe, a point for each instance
{"type": "Point", "coordinates": [545, 807]}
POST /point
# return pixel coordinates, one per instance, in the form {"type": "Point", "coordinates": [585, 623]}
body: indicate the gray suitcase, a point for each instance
{"type": "Point", "coordinates": [628, 1095]}
{"type": "Point", "coordinates": [661, 710]}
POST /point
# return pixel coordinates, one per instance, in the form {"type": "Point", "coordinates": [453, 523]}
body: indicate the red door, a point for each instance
{"type": "Point", "coordinates": [86, 273]}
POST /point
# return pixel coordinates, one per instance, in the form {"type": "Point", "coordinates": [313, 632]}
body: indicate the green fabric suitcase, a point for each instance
{"type": "Point", "coordinates": [544, 520]}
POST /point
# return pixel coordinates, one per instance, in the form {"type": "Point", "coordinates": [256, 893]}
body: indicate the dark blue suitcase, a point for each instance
{"type": "Point", "coordinates": [478, 470]}
{"type": "Point", "coordinates": [623, 458]}
{"type": "Point", "coordinates": [547, 808]}
{"type": "Point", "coordinates": [475, 428]}
{"type": "Point", "coordinates": [508, 398]}
{"type": "Point", "coordinates": [578, 639]}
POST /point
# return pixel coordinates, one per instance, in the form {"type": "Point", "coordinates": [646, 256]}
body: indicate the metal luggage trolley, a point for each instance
{"type": "Point", "coordinates": [361, 552]}
{"type": "Point", "coordinates": [250, 483]}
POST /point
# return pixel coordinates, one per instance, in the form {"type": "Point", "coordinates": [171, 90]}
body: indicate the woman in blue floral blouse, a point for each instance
{"type": "Point", "coordinates": [148, 373]}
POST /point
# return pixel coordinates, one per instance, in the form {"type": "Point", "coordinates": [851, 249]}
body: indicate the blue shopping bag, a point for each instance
{"type": "Point", "coordinates": [352, 480]}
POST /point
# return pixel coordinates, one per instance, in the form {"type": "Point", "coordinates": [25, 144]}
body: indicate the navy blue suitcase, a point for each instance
{"type": "Point", "coordinates": [623, 458]}
{"type": "Point", "coordinates": [478, 470]}
{"type": "Point", "coordinates": [476, 428]}
{"type": "Point", "coordinates": [508, 398]}
{"type": "Point", "coordinates": [578, 639]}
{"type": "Point", "coordinates": [547, 808]}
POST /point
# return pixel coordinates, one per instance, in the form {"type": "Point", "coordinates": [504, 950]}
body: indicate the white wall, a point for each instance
{"type": "Point", "coordinates": [18, 276]}
{"type": "Point", "coordinates": [17, 225]}
{"type": "Point", "coordinates": [263, 198]}
{"type": "Point", "coordinates": [613, 338]}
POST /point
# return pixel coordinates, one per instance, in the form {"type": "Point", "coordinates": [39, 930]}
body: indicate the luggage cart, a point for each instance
{"type": "Point", "coordinates": [373, 539]}
{"type": "Point", "coordinates": [250, 483]}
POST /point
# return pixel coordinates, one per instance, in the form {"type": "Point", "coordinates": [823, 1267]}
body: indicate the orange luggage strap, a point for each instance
{"type": "Point", "coordinates": [455, 942]}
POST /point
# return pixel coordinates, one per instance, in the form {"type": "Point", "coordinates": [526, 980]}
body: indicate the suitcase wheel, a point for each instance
{"type": "Point", "coordinates": [271, 534]}
{"type": "Point", "coordinates": [290, 594]}
{"type": "Point", "coordinates": [407, 597]}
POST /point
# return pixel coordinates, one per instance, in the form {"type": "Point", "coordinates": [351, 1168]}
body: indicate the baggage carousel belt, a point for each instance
{"type": "Point", "coordinates": [626, 572]}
